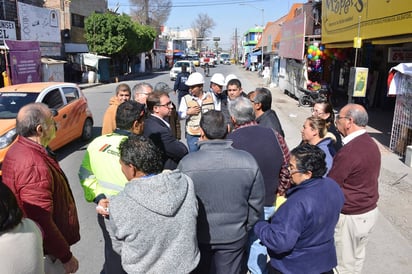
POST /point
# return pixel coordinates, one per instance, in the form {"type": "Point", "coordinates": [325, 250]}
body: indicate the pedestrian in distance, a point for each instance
{"type": "Point", "coordinates": [227, 215]}
{"type": "Point", "coordinates": [101, 176]}
{"type": "Point", "coordinates": [41, 188]}
{"type": "Point", "coordinates": [21, 243]}
{"type": "Point", "coordinates": [192, 107]}
{"type": "Point", "coordinates": [355, 168]}
{"type": "Point", "coordinates": [180, 86]}
{"type": "Point", "coordinates": [157, 128]}
{"type": "Point", "coordinates": [299, 236]}
{"type": "Point", "coordinates": [123, 94]}
{"type": "Point", "coordinates": [153, 220]}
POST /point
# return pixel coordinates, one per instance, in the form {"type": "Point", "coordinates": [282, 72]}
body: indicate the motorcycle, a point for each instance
{"type": "Point", "coordinates": [309, 97]}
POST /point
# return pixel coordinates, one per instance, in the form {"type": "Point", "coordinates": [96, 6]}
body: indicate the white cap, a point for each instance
{"type": "Point", "coordinates": [218, 79]}
{"type": "Point", "coordinates": [230, 77]}
{"type": "Point", "coordinates": [194, 79]}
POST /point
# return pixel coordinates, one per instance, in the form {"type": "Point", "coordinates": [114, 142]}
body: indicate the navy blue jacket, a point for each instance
{"type": "Point", "coordinates": [161, 135]}
{"type": "Point", "coordinates": [300, 235]}
{"type": "Point", "coordinates": [262, 143]}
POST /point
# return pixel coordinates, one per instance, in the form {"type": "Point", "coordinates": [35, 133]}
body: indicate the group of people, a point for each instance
{"type": "Point", "coordinates": [208, 206]}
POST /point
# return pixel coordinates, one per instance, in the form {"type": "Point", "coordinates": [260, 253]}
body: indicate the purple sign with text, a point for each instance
{"type": "Point", "coordinates": [24, 61]}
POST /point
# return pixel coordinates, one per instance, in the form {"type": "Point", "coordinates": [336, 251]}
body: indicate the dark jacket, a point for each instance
{"type": "Point", "coordinates": [338, 143]}
{"type": "Point", "coordinates": [262, 143]}
{"type": "Point", "coordinates": [229, 188]}
{"type": "Point", "coordinates": [43, 193]}
{"type": "Point", "coordinates": [180, 82]}
{"type": "Point", "coordinates": [270, 119]}
{"type": "Point", "coordinates": [161, 135]}
{"type": "Point", "coordinates": [300, 235]}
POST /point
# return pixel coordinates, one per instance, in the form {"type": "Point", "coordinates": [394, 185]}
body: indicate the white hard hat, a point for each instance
{"type": "Point", "coordinates": [230, 77]}
{"type": "Point", "coordinates": [218, 79]}
{"type": "Point", "coordinates": [194, 79]}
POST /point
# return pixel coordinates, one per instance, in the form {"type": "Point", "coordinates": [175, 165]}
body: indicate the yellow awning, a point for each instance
{"type": "Point", "coordinates": [392, 40]}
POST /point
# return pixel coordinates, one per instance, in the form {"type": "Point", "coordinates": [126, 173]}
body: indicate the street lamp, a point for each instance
{"type": "Point", "coordinates": [263, 27]}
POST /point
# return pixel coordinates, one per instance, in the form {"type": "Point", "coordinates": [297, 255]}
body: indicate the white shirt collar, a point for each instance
{"type": "Point", "coordinates": [353, 135]}
{"type": "Point", "coordinates": [161, 119]}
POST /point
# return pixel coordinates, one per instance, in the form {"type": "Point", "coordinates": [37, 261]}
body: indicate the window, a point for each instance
{"type": "Point", "coordinates": [77, 20]}
{"type": "Point", "coordinates": [53, 99]}
{"type": "Point", "coordinates": [70, 93]}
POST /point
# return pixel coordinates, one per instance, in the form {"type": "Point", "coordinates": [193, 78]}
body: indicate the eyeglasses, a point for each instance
{"type": "Point", "coordinates": [293, 170]}
{"type": "Point", "coordinates": [168, 104]}
{"type": "Point", "coordinates": [338, 117]}
{"type": "Point", "coordinates": [317, 111]}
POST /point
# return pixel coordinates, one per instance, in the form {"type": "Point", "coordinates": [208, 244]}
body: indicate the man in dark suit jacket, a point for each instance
{"type": "Point", "coordinates": [158, 129]}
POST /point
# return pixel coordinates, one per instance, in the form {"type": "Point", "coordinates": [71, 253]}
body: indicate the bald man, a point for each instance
{"type": "Point", "coordinates": [41, 187]}
{"type": "Point", "coordinates": [356, 169]}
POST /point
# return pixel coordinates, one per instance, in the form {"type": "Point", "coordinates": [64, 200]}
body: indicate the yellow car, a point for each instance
{"type": "Point", "coordinates": [73, 117]}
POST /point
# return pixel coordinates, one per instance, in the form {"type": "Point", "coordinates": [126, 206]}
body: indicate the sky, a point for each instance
{"type": "Point", "coordinates": [228, 15]}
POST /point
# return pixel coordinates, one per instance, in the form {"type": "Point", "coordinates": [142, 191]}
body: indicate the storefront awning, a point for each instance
{"type": "Point", "coordinates": [75, 48]}
{"type": "Point", "coordinates": [392, 40]}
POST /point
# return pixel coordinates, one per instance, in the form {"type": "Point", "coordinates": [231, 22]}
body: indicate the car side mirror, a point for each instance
{"type": "Point", "coordinates": [54, 112]}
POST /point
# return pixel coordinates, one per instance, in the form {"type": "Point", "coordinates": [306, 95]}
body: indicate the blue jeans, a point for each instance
{"type": "Point", "coordinates": [257, 261]}
{"type": "Point", "coordinates": [192, 142]}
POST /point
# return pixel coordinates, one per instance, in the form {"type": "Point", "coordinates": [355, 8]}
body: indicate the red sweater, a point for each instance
{"type": "Point", "coordinates": [356, 169]}
{"type": "Point", "coordinates": [43, 193]}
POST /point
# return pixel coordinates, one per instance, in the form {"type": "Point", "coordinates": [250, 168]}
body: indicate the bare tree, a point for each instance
{"type": "Point", "coordinates": [202, 26]}
{"type": "Point", "coordinates": [150, 12]}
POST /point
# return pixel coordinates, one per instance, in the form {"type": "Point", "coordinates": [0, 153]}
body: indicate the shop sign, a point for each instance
{"type": "Point", "coordinates": [399, 55]}
{"type": "Point", "coordinates": [25, 61]}
{"type": "Point", "coordinates": [38, 24]}
{"type": "Point", "coordinates": [292, 44]}
{"type": "Point", "coordinates": [343, 19]}
{"type": "Point", "coordinates": [7, 30]}
{"type": "Point", "coordinates": [358, 79]}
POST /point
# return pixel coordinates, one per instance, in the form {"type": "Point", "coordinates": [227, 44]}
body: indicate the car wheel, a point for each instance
{"type": "Point", "coordinates": [87, 130]}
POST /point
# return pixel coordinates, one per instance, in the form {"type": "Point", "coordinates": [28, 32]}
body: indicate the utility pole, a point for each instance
{"type": "Point", "coordinates": [146, 12]}
{"type": "Point", "coordinates": [236, 48]}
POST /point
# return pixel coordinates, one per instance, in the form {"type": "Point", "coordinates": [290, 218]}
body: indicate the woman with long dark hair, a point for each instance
{"type": "Point", "coordinates": [323, 109]}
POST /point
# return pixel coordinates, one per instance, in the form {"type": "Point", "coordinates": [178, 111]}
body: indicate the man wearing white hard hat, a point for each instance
{"type": "Point", "coordinates": [192, 106]}
{"type": "Point", "coordinates": [219, 96]}
{"type": "Point", "coordinates": [216, 89]}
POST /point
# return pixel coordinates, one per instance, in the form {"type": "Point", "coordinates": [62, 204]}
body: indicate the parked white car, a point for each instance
{"type": "Point", "coordinates": [177, 68]}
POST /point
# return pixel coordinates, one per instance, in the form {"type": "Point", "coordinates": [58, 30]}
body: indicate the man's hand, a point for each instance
{"type": "Point", "coordinates": [193, 110]}
{"type": "Point", "coordinates": [72, 265]}
{"type": "Point", "coordinates": [102, 207]}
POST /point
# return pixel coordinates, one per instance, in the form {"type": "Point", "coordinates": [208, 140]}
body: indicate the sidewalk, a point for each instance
{"type": "Point", "coordinates": [390, 246]}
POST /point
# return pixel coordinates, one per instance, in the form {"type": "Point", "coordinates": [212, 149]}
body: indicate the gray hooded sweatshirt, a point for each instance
{"type": "Point", "coordinates": [153, 224]}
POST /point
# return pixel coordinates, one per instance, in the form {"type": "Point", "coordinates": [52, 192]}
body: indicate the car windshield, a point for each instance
{"type": "Point", "coordinates": [11, 102]}
{"type": "Point", "coordinates": [180, 64]}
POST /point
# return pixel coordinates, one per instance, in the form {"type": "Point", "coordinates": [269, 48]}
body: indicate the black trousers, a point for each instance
{"type": "Point", "coordinates": [112, 260]}
{"type": "Point", "coordinates": [223, 258]}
